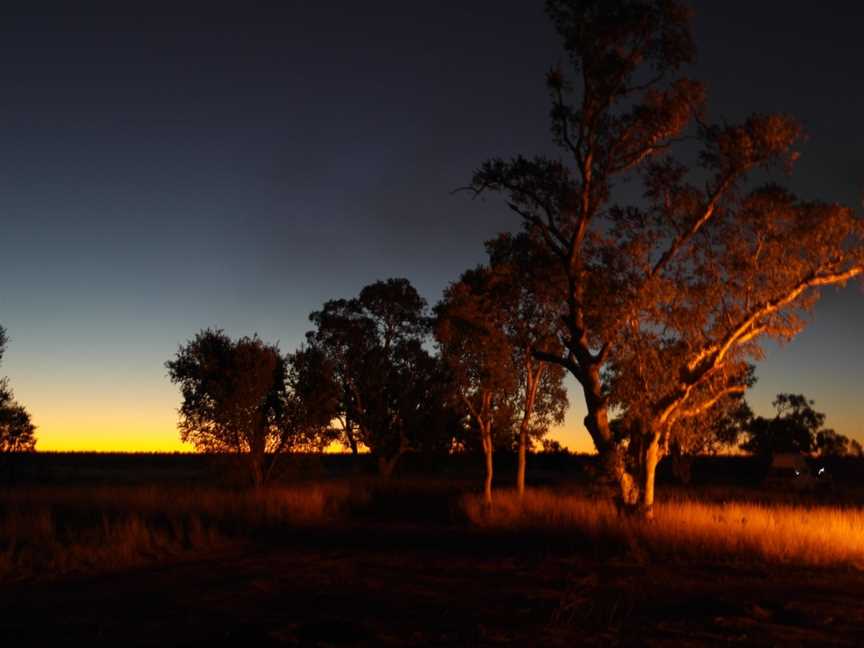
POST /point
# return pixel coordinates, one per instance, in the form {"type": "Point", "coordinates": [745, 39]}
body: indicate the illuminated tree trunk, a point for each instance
{"type": "Point", "coordinates": [532, 381]}
{"type": "Point", "coordinates": [611, 456]}
{"type": "Point", "coordinates": [486, 433]}
{"type": "Point", "coordinates": [523, 451]}
{"type": "Point", "coordinates": [650, 458]}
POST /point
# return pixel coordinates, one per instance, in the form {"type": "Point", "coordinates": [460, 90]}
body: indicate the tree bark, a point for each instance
{"type": "Point", "coordinates": [523, 452]}
{"type": "Point", "coordinates": [532, 382]}
{"type": "Point", "coordinates": [486, 432]}
{"type": "Point", "coordinates": [650, 458]}
{"type": "Point", "coordinates": [612, 460]}
{"type": "Point", "coordinates": [352, 442]}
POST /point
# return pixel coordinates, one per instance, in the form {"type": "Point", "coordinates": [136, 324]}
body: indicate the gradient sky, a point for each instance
{"type": "Point", "coordinates": [165, 172]}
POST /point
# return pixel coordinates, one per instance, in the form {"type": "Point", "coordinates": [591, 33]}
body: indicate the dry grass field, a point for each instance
{"type": "Point", "coordinates": [347, 560]}
{"type": "Point", "coordinates": [55, 531]}
{"type": "Point", "coordinates": [802, 535]}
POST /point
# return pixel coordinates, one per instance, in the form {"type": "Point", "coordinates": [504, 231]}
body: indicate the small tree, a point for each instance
{"type": "Point", "coordinates": [470, 332]}
{"type": "Point", "coordinates": [17, 432]}
{"type": "Point", "coordinates": [234, 398]}
{"type": "Point", "coordinates": [523, 294]}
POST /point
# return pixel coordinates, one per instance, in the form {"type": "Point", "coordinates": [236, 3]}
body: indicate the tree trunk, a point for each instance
{"type": "Point", "coordinates": [612, 461]}
{"type": "Point", "coordinates": [387, 466]}
{"type": "Point", "coordinates": [611, 457]}
{"type": "Point", "coordinates": [650, 458]}
{"type": "Point", "coordinates": [256, 465]}
{"type": "Point", "coordinates": [532, 382]}
{"type": "Point", "coordinates": [523, 452]}
{"type": "Point", "coordinates": [486, 431]}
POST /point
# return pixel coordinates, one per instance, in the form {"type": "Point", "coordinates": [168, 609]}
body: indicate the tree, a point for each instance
{"type": "Point", "coordinates": [234, 398]}
{"type": "Point", "coordinates": [795, 427]}
{"type": "Point", "coordinates": [375, 344]}
{"type": "Point", "coordinates": [524, 294]}
{"type": "Point", "coordinates": [666, 301]}
{"type": "Point", "coordinates": [471, 335]}
{"type": "Point", "coordinates": [17, 432]}
{"type": "Point", "coordinates": [489, 325]}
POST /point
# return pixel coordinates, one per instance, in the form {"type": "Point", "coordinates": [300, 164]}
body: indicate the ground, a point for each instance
{"type": "Point", "coordinates": [395, 583]}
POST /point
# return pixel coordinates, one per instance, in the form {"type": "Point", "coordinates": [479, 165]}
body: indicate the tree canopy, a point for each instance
{"type": "Point", "coordinates": [375, 344]}
{"type": "Point", "coordinates": [234, 398]}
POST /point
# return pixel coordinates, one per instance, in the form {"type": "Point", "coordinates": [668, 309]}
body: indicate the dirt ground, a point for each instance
{"type": "Point", "coordinates": [396, 584]}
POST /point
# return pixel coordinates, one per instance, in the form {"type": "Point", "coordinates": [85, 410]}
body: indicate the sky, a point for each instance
{"type": "Point", "coordinates": [162, 172]}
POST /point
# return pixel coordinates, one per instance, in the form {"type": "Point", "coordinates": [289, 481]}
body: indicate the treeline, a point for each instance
{"type": "Point", "coordinates": [383, 373]}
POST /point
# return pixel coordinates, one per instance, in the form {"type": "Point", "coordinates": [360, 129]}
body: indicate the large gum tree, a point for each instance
{"type": "Point", "coordinates": [664, 300]}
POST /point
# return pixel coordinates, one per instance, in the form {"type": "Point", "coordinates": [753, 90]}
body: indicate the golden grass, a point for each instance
{"type": "Point", "coordinates": [739, 531]}
{"type": "Point", "coordinates": [61, 530]}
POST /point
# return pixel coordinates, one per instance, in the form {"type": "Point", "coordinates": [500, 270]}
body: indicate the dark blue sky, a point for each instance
{"type": "Point", "coordinates": [164, 172]}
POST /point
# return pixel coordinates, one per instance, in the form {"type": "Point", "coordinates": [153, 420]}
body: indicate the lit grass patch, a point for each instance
{"type": "Point", "coordinates": [786, 534]}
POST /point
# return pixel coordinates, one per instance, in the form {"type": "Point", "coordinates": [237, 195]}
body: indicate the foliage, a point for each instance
{"type": "Point", "coordinates": [470, 330]}
{"type": "Point", "coordinates": [471, 335]}
{"type": "Point", "coordinates": [665, 301]}
{"type": "Point", "coordinates": [525, 293]}
{"type": "Point", "coordinates": [17, 432]}
{"type": "Point", "coordinates": [389, 386]}
{"type": "Point", "coordinates": [490, 324]}
{"type": "Point", "coordinates": [234, 398]}
{"type": "Point", "coordinates": [312, 399]}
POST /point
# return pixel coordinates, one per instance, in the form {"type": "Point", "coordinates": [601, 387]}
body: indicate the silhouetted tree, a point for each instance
{"type": "Point", "coordinates": [664, 302]}
{"type": "Point", "coordinates": [375, 343]}
{"type": "Point", "coordinates": [17, 432]}
{"type": "Point", "coordinates": [346, 338]}
{"type": "Point", "coordinates": [312, 399]}
{"type": "Point", "coordinates": [234, 398]}
{"type": "Point", "coordinates": [796, 427]}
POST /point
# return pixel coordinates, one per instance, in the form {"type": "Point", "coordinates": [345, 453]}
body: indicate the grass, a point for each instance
{"type": "Point", "coordinates": [811, 536]}
{"type": "Point", "coordinates": [54, 531]}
